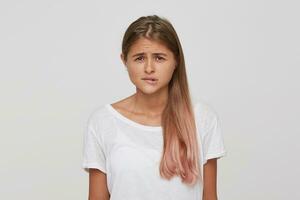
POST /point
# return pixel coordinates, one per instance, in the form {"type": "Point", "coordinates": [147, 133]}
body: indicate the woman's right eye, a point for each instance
{"type": "Point", "coordinates": [139, 58]}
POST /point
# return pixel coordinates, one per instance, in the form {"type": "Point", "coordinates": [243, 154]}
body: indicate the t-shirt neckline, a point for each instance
{"type": "Point", "coordinates": [131, 122]}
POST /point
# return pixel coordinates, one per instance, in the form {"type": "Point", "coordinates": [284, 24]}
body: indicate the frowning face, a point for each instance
{"type": "Point", "coordinates": [150, 65]}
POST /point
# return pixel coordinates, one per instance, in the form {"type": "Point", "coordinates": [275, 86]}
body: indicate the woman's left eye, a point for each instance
{"type": "Point", "coordinates": [160, 58]}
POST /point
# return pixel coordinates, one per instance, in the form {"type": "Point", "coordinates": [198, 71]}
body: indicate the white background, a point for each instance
{"type": "Point", "coordinates": [60, 60]}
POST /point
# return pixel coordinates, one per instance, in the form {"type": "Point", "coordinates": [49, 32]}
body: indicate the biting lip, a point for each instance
{"type": "Point", "coordinates": [150, 78]}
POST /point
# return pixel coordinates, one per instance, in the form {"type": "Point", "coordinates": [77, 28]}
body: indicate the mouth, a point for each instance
{"type": "Point", "coordinates": [151, 81]}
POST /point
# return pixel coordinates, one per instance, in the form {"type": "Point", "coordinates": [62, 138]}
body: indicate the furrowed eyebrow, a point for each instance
{"type": "Point", "coordinates": [157, 54]}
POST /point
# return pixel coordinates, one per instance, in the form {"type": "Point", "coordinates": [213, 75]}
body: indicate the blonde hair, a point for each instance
{"type": "Point", "coordinates": [180, 147]}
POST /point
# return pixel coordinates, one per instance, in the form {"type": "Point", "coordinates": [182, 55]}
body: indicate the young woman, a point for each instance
{"type": "Point", "coordinates": [154, 144]}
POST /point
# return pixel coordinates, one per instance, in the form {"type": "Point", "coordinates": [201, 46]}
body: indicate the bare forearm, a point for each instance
{"type": "Point", "coordinates": [210, 180]}
{"type": "Point", "coordinates": [209, 197]}
{"type": "Point", "coordinates": [98, 198]}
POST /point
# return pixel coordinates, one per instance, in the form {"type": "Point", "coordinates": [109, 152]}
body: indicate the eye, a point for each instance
{"type": "Point", "coordinates": [160, 58]}
{"type": "Point", "coordinates": [139, 58]}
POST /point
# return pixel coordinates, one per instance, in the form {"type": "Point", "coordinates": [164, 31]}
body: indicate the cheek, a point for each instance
{"type": "Point", "coordinates": [134, 68]}
{"type": "Point", "coordinates": [134, 73]}
{"type": "Point", "coordinates": [167, 73]}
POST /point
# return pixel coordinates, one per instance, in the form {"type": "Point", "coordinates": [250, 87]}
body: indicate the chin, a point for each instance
{"type": "Point", "coordinates": [149, 89]}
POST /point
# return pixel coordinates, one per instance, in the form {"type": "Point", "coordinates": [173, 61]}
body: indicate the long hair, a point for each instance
{"type": "Point", "coordinates": [180, 147]}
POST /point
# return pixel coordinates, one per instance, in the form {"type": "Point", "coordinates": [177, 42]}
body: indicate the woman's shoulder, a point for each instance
{"type": "Point", "coordinates": [98, 112]}
{"type": "Point", "coordinates": [205, 114]}
{"type": "Point", "coordinates": [100, 118]}
{"type": "Point", "coordinates": [204, 107]}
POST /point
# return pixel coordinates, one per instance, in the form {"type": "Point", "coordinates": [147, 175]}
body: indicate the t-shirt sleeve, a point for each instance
{"type": "Point", "coordinates": [93, 149]}
{"type": "Point", "coordinates": [213, 141]}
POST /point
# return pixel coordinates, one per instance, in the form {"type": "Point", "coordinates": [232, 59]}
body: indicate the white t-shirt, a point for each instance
{"type": "Point", "coordinates": [129, 153]}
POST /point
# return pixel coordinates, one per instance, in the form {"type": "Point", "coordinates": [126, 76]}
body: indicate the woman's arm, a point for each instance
{"type": "Point", "coordinates": [97, 185]}
{"type": "Point", "coordinates": [210, 180]}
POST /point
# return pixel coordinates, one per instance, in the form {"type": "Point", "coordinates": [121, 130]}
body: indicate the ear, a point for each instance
{"type": "Point", "coordinates": [123, 58]}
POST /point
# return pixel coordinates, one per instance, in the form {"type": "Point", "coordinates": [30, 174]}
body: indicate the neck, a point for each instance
{"type": "Point", "coordinates": [151, 104]}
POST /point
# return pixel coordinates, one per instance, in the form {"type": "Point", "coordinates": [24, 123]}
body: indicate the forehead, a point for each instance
{"type": "Point", "coordinates": [147, 45]}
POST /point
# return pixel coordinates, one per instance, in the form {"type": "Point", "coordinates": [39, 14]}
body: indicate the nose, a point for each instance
{"type": "Point", "coordinates": [149, 66]}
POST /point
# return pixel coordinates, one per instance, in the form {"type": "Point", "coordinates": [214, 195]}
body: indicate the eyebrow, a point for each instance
{"type": "Point", "coordinates": [142, 53]}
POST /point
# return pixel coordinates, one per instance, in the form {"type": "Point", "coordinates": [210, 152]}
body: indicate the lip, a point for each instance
{"type": "Point", "coordinates": [151, 81]}
{"type": "Point", "coordinates": [149, 78]}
